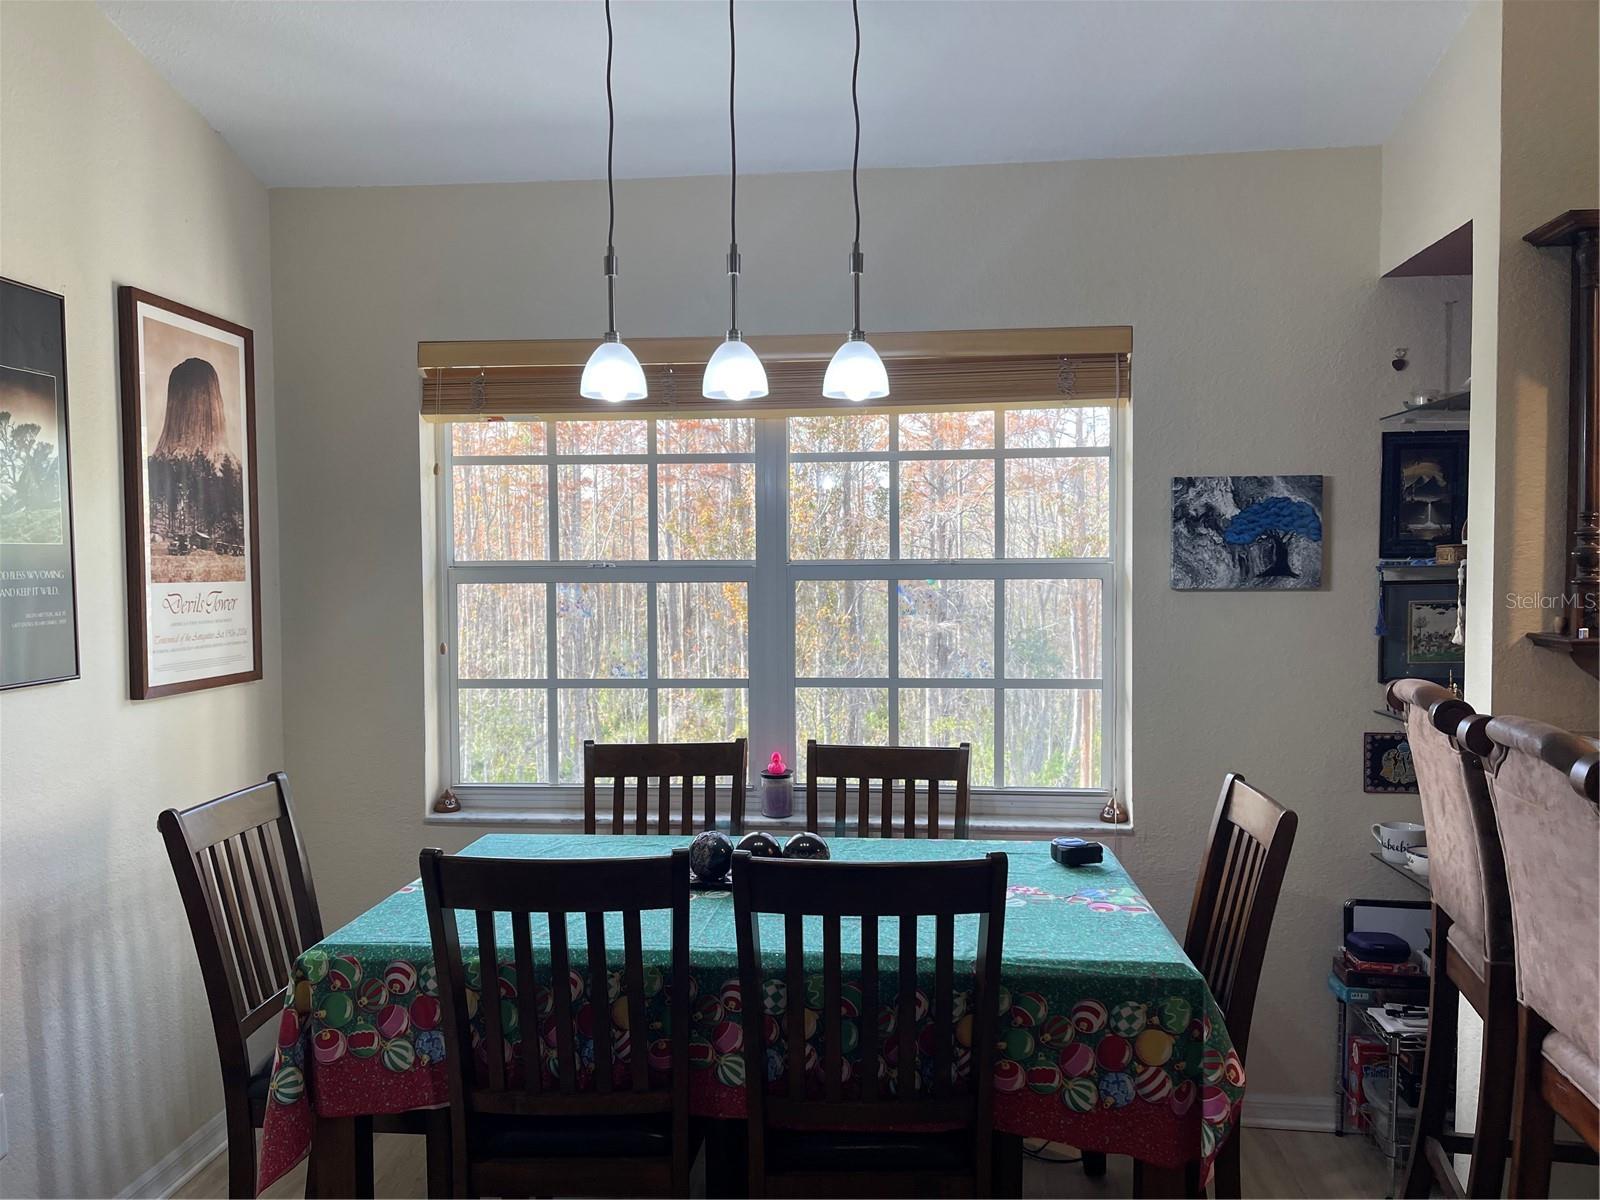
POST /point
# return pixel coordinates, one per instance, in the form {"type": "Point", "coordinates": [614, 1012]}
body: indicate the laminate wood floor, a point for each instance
{"type": "Point", "coordinates": [1277, 1163]}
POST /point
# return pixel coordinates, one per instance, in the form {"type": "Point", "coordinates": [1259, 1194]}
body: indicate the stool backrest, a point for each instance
{"type": "Point", "coordinates": [1466, 870]}
{"type": "Point", "coordinates": [1543, 782]}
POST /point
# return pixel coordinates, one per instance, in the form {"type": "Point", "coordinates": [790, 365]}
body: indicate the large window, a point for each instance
{"type": "Point", "coordinates": [915, 578]}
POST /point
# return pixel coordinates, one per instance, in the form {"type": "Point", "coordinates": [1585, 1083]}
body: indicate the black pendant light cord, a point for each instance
{"type": "Point", "coordinates": [855, 104]}
{"type": "Point", "coordinates": [858, 262]}
{"type": "Point", "coordinates": [611, 194]}
{"type": "Point", "coordinates": [733, 185]}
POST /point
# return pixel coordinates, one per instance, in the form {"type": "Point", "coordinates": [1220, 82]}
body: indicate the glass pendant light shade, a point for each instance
{"type": "Point", "coordinates": [855, 373]}
{"type": "Point", "coordinates": [613, 373]}
{"type": "Point", "coordinates": [734, 372]}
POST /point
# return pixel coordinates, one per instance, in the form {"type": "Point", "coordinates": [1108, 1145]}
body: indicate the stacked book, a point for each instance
{"type": "Point", "coordinates": [1364, 981]}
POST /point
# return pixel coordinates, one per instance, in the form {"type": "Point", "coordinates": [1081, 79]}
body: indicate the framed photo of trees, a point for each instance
{"type": "Point", "coordinates": [38, 605]}
{"type": "Point", "coordinates": [189, 464]}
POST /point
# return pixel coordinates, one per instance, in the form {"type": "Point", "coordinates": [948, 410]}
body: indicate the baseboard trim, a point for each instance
{"type": "Point", "coordinates": [182, 1164]}
{"type": "Point", "coordinates": [1282, 1111]}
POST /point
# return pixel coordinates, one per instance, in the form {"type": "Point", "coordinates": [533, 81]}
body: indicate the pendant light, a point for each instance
{"type": "Point", "coordinates": [855, 371]}
{"type": "Point", "coordinates": [613, 372]}
{"type": "Point", "coordinates": [735, 371]}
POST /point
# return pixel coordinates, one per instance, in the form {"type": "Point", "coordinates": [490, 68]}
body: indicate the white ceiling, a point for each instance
{"type": "Point", "coordinates": [402, 93]}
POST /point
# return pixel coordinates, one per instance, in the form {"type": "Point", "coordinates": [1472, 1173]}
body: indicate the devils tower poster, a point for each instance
{"type": "Point", "coordinates": [189, 406]}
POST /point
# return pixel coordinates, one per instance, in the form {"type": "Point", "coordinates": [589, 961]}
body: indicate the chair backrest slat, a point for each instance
{"type": "Point", "coordinates": [600, 1005]}
{"type": "Point", "coordinates": [633, 988]}
{"type": "Point", "coordinates": [665, 762]}
{"type": "Point", "coordinates": [871, 1005]}
{"type": "Point", "coordinates": [527, 1006]}
{"type": "Point", "coordinates": [561, 994]}
{"type": "Point", "coordinates": [514, 1032]}
{"type": "Point", "coordinates": [1241, 874]}
{"type": "Point", "coordinates": [888, 770]}
{"type": "Point", "coordinates": [246, 889]}
{"type": "Point", "coordinates": [851, 1096]}
{"type": "Point", "coordinates": [489, 999]}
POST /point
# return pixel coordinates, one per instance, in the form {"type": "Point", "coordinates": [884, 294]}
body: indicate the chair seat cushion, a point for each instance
{"type": "Point", "coordinates": [256, 1090]}
{"type": "Point", "coordinates": [875, 1150]}
{"type": "Point", "coordinates": [1568, 1057]}
{"type": "Point", "coordinates": [571, 1137]}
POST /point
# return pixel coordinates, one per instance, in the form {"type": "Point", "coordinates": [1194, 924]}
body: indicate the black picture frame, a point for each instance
{"type": "Point", "coordinates": [1422, 509]}
{"type": "Point", "coordinates": [38, 602]}
{"type": "Point", "coordinates": [1408, 647]}
{"type": "Point", "coordinates": [1386, 764]}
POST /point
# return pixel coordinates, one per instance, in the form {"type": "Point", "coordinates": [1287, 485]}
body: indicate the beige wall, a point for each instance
{"type": "Point", "coordinates": [1506, 134]}
{"type": "Point", "coordinates": [106, 1056]}
{"type": "Point", "coordinates": [1441, 168]}
{"type": "Point", "coordinates": [1550, 162]}
{"type": "Point", "coordinates": [1262, 341]}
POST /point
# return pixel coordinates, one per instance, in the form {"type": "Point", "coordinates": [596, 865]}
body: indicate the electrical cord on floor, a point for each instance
{"type": "Point", "coordinates": [1039, 1151]}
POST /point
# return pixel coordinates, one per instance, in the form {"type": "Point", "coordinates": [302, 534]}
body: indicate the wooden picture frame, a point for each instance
{"type": "Point", "coordinates": [1386, 763]}
{"type": "Point", "coordinates": [38, 553]}
{"type": "Point", "coordinates": [1423, 492]}
{"type": "Point", "coordinates": [1415, 613]}
{"type": "Point", "coordinates": [191, 503]}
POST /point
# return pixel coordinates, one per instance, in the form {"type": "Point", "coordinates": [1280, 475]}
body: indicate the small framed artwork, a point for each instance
{"type": "Point", "coordinates": [189, 468]}
{"type": "Point", "coordinates": [1386, 763]}
{"type": "Point", "coordinates": [1419, 626]}
{"type": "Point", "coordinates": [38, 584]}
{"type": "Point", "coordinates": [1246, 532]}
{"type": "Point", "coordinates": [1424, 492]}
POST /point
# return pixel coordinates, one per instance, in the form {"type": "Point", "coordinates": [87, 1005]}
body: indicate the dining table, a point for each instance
{"type": "Point", "coordinates": [1108, 1037]}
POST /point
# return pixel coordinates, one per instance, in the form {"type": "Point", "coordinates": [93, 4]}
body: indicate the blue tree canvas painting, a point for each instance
{"type": "Point", "coordinates": [1238, 532]}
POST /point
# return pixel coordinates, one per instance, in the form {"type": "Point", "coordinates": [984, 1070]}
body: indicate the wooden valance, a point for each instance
{"type": "Point", "coordinates": [950, 369]}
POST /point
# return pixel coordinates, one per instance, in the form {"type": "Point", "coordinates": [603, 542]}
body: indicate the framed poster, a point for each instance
{"type": "Point", "coordinates": [189, 467]}
{"type": "Point", "coordinates": [1424, 492]}
{"type": "Point", "coordinates": [1243, 532]}
{"type": "Point", "coordinates": [1386, 763]}
{"type": "Point", "coordinates": [38, 580]}
{"type": "Point", "coordinates": [1419, 623]}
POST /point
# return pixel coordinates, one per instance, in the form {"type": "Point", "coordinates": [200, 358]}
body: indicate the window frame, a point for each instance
{"type": "Point", "coordinates": [770, 578]}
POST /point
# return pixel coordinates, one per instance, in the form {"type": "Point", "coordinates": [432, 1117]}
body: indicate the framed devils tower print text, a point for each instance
{"type": "Point", "coordinates": [189, 462]}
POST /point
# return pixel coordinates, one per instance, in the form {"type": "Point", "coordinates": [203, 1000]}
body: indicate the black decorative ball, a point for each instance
{"type": "Point", "coordinates": [805, 845]}
{"type": "Point", "coordinates": [710, 855]}
{"type": "Point", "coordinates": [761, 845]}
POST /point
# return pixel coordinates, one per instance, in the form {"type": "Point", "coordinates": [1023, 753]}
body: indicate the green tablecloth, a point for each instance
{"type": "Point", "coordinates": [1109, 1038]}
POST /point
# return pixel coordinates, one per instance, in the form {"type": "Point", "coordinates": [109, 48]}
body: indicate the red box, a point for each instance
{"type": "Point", "coordinates": [1360, 1052]}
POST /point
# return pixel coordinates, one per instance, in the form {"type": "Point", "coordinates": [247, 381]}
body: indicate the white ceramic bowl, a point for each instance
{"type": "Point", "coordinates": [1417, 861]}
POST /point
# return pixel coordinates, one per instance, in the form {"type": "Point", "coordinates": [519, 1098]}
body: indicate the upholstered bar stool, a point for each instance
{"type": "Point", "coordinates": [1545, 787]}
{"type": "Point", "coordinates": [1472, 946]}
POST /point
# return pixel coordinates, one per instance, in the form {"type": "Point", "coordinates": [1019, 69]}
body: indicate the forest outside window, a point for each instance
{"type": "Point", "coordinates": [884, 577]}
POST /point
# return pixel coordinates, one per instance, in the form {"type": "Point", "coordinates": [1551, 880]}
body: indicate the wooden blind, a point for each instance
{"type": "Point", "coordinates": [466, 381]}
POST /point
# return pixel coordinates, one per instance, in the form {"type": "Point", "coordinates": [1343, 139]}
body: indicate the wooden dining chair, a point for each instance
{"type": "Point", "coordinates": [1472, 946]}
{"type": "Point", "coordinates": [521, 1124]}
{"type": "Point", "coordinates": [252, 909]}
{"type": "Point", "coordinates": [883, 769]}
{"type": "Point", "coordinates": [686, 763]}
{"type": "Point", "coordinates": [1544, 784]}
{"type": "Point", "coordinates": [832, 1130]}
{"type": "Point", "coordinates": [1230, 920]}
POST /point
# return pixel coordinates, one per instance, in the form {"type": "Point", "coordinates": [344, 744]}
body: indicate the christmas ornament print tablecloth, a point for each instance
{"type": "Point", "coordinates": [1108, 1037]}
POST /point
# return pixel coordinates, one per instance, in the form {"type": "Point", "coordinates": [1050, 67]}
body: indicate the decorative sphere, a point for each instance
{"type": "Point", "coordinates": [805, 845]}
{"type": "Point", "coordinates": [710, 855]}
{"type": "Point", "coordinates": [761, 845]}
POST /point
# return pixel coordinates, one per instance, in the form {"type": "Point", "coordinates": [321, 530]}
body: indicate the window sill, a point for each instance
{"type": "Point", "coordinates": [993, 828]}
